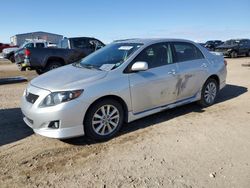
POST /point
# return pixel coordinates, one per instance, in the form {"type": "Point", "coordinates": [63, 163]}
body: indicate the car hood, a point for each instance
{"type": "Point", "coordinates": [67, 78]}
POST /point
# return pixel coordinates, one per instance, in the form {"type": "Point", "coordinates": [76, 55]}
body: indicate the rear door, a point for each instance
{"type": "Point", "coordinates": [193, 69]}
{"type": "Point", "coordinates": [154, 87]}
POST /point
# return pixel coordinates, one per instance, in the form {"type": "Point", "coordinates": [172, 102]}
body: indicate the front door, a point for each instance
{"type": "Point", "coordinates": [154, 87]}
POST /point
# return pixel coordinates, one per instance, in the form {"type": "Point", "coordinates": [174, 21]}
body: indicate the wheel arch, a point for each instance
{"type": "Point", "coordinates": [215, 77]}
{"type": "Point", "coordinates": [55, 58]}
{"type": "Point", "coordinates": [113, 97]}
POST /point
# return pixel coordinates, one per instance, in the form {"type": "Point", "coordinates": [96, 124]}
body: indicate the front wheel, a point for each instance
{"type": "Point", "coordinates": [234, 54]}
{"type": "Point", "coordinates": [103, 120]}
{"type": "Point", "coordinates": [209, 93]}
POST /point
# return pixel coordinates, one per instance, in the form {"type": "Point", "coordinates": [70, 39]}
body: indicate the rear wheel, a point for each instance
{"type": "Point", "coordinates": [209, 93]}
{"type": "Point", "coordinates": [39, 71]}
{"type": "Point", "coordinates": [52, 65]}
{"type": "Point", "coordinates": [103, 120]}
{"type": "Point", "coordinates": [234, 54]}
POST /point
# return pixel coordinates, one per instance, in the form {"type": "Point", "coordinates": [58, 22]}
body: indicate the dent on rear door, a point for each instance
{"type": "Point", "coordinates": [191, 76]}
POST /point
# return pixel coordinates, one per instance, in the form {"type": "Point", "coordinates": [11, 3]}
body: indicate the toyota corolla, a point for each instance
{"type": "Point", "coordinates": [122, 82]}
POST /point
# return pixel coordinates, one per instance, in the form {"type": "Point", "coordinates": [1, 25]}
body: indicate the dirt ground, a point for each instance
{"type": "Point", "coordinates": [183, 147]}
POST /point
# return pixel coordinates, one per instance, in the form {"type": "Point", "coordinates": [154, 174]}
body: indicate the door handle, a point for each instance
{"type": "Point", "coordinates": [172, 72]}
{"type": "Point", "coordinates": [204, 65]}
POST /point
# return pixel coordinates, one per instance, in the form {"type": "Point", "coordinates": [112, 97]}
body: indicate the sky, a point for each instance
{"type": "Point", "coordinates": [109, 20]}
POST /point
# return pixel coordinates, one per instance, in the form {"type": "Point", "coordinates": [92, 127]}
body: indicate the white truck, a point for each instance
{"type": "Point", "coordinates": [8, 53]}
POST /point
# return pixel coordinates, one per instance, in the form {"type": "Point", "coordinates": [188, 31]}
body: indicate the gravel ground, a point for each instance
{"type": "Point", "coordinates": [183, 147]}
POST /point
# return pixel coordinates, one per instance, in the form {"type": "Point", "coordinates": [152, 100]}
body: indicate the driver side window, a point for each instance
{"type": "Point", "coordinates": [29, 45]}
{"type": "Point", "coordinates": [156, 55]}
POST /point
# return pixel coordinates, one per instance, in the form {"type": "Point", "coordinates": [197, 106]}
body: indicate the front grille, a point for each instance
{"type": "Point", "coordinates": [221, 50]}
{"type": "Point", "coordinates": [31, 98]}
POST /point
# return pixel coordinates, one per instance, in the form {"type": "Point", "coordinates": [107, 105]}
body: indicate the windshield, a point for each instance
{"type": "Point", "coordinates": [110, 57]}
{"type": "Point", "coordinates": [232, 42]}
{"type": "Point", "coordinates": [23, 45]}
{"type": "Point", "coordinates": [27, 45]}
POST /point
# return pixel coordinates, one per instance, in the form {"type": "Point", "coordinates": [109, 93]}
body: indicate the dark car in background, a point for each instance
{"type": "Point", "coordinates": [69, 50]}
{"type": "Point", "coordinates": [234, 48]}
{"type": "Point", "coordinates": [212, 44]}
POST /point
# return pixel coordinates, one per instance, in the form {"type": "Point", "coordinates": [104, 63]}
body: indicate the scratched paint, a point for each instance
{"type": "Point", "coordinates": [182, 83]}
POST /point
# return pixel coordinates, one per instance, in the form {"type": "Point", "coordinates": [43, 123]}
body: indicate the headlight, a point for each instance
{"type": "Point", "coordinates": [60, 97]}
{"type": "Point", "coordinates": [25, 92]}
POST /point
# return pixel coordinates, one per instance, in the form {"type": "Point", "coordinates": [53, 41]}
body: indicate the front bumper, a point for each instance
{"type": "Point", "coordinates": [224, 52]}
{"type": "Point", "coordinates": [69, 114]}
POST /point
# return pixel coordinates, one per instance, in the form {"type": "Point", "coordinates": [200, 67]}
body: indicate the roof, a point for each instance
{"type": "Point", "coordinates": [79, 38]}
{"type": "Point", "coordinates": [35, 40]}
{"type": "Point", "coordinates": [37, 32]}
{"type": "Point", "coordinates": [151, 40]}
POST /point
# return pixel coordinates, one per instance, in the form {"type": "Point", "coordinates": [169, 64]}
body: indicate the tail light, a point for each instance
{"type": "Point", "coordinates": [225, 62]}
{"type": "Point", "coordinates": [27, 52]}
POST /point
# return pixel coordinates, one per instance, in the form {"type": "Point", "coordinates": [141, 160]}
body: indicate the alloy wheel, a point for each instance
{"type": "Point", "coordinates": [105, 120]}
{"type": "Point", "coordinates": [210, 92]}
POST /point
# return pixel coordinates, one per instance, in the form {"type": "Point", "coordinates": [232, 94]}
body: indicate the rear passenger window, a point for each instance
{"type": "Point", "coordinates": [186, 52]}
{"type": "Point", "coordinates": [156, 55]}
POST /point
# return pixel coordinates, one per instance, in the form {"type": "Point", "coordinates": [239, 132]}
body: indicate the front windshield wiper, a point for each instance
{"type": "Point", "coordinates": [89, 66]}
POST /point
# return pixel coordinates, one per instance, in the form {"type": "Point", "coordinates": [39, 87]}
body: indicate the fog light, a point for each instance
{"type": "Point", "coordinates": [54, 124]}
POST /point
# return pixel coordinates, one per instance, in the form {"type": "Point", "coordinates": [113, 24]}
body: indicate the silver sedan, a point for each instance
{"type": "Point", "coordinates": [122, 82]}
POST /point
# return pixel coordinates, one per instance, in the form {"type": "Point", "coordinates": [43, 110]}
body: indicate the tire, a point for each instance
{"type": "Point", "coordinates": [12, 58]}
{"type": "Point", "coordinates": [98, 127]}
{"type": "Point", "coordinates": [39, 71]}
{"type": "Point", "coordinates": [52, 65]}
{"type": "Point", "coordinates": [234, 54]}
{"type": "Point", "coordinates": [248, 54]}
{"type": "Point", "coordinates": [209, 93]}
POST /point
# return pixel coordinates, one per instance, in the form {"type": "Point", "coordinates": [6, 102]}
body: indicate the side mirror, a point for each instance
{"type": "Point", "coordinates": [139, 66]}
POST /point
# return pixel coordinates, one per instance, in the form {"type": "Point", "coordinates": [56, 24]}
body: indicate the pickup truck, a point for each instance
{"type": "Point", "coordinates": [45, 59]}
{"type": "Point", "coordinates": [234, 48]}
{"type": "Point", "coordinates": [8, 53]}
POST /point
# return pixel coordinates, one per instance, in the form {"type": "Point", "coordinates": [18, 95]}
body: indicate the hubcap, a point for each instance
{"type": "Point", "coordinates": [105, 120]}
{"type": "Point", "coordinates": [235, 54]}
{"type": "Point", "coordinates": [210, 92]}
